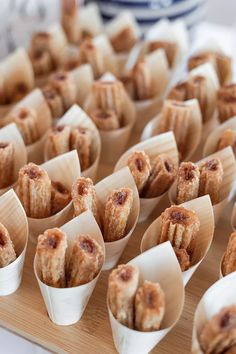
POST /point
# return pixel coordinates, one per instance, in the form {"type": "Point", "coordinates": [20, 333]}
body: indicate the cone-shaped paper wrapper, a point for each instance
{"type": "Point", "coordinates": [120, 179]}
{"type": "Point", "coordinates": [76, 117]}
{"type": "Point", "coordinates": [160, 144]}
{"type": "Point", "coordinates": [117, 138]}
{"type": "Point", "coordinates": [203, 208]}
{"type": "Point", "coordinates": [83, 76]}
{"type": "Point", "coordinates": [219, 295]}
{"type": "Point", "coordinates": [195, 128]}
{"type": "Point", "coordinates": [65, 169]}
{"type": "Point", "coordinates": [158, 264]}
{"type": "Point", "coordinates": [15, 70]}
{"type": "Point", "coordinates": [86, 13]}
{"type": "Point", "coordinates": [36, 101]}
{"type": "Point", "coordinates": [227, 159]}
{"type": "Point", "coordinates": [13, 217]}
{"type": "Point", "coordinates": [66, 306]}
{"type": "Point", "coordinates": [10, 133]}
{"type": "Point", "coordinates": [233, 218]}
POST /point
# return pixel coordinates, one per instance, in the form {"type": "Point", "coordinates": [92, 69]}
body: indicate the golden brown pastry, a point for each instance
{"type": "Point", "coordinates": [229, 259]}
{"type": "Point", "coordinates": [140, 167]}
{"type": "Point", "coordinates": [70, 20]}
{"type": "Point", "coordinates": [188, 182]}
{"type": "Point", "coordinates": [7, 252]}
{"type": "Point", "coordinates": [117, 211]}
{"type": "Point", "coordinates": [85, 260]}
{"type": "Point", "coordinates": [105, 119]}
{"type": "Point", "coordinates": [218, 335]}
{"type": "Point", "coordinates": [170, 49]}
{"type": "Point", "coordinates": [64, 84]}
{"type": "Point", "coordinates": [58, 141]}
{"type": "Point", "coordinates": [123, 41]}
{"type": "Point", "coordinates": [142, 80]}
{"type": "Point", "coordinates": [183, 258]}
{"type": "Point", "coordinates": [122, 286]}
{"type": "Point", "coordinates": [149, 307]}
{"type": "Point", "coordinates": [7, 161]}
{"type": "Point", "coordinates": [40, 41]}
{"type": "Point", "coordinates": [226, 102]}
{"type": "Point", "coordinates": [179, 92]}
{"type": "Point", "coordinates": [54, 101]}
{"type": "Point", "coordinates": [89, 53]}
{"type": "Point", "coordinates": [81, 140]}
{"type": "Point", "coordinates": [51, 253]}
{"type": "Point", "coordinates": [60, 197]}
{"type": "Point", "coordinates": [211, 177]}
{"type": "Point", "coordinates": [34, 190]}
{"type": "Point", "coordinates": [227, 138]}
{"type": "Point", "coordinates": [41, 61]}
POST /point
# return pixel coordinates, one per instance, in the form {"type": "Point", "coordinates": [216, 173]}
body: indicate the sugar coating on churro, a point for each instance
{"type": "Point", "coordinates": [7, 251]}
{"type": "Point", "coordinates": [63, 83]}
{"type": "Point", "coordinates": [60, 197]}
{"type": "Point", "coordinates": [105, 119]}
{"type": "Point", "coordinates": [226, 102]}
{"type": "Point", "coordinates": [211, 177]}
{"type": "Point", "coordinates": [54, 101]}
{"type": "Point", "coordinates": [183, 258]}
{"type": "Point", "coordinates": [140, 167]}
{"type": "Point", "coordinates": [90, 53]}
{"type": "Point", "coordinates": [58, 141]}
{"type": "Point", "coordinates": [7, 162]}
{"type": "Point", "coordinates": [123, 41]}
{"type": "Point", "coordinates": [81, 140]}
{"type": "Point", "coordinates": [188, 182]}
{"type": "Point", "coordinates": [229, 260]}
{"type": "Point", "coordinates": [227, 138]}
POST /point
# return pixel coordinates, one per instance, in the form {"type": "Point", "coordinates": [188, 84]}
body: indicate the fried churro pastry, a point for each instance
{"type": "Point", "coordinates": [128, 82]}
{"type": "Point", "coordinates": [188, 182]}
{"type": "Point", "coordinates": [89, 53]}
{"type": "Point", "coordinates": [183, 258]}
{"type": "Point", "coordinates": [122, 286]}
{"type": "Point", "coordinates": [140, 167]}
{"type": "Point", "coordinates": [105, 119]}
{"type": "Point", "coordinates": [231, 350]}
{"type": "Point", "coordinates": [84, 197]}
{"type": "Point", "coordinates": [7, 160]}
{"type": "Point", "coordinates": [228, 138]}
{"type": "Point", "coordinates": [60, 197]}
{"type": "Point", "coordinates": [142, 80]}
{"type": "Point", "coordinates": [64, 84]}
{"type": "Point", "coordinates": [69, 20]}
{"type": "Point", "coordinates": [7, 252]}
{"type": "Point", "coordinates": [123, 41]}
{"type": "Point", "coordinates": [42, 62]}
{"type": "Point", "coordinates": [149, 307]}
{"type": "Point", "coordinates": [211, 177]}
{"type": "Point", "coordinates": [229, 259]}
{"type": "Point", "coordinates": [180, 226]}
{"type": "Point", "coordinates": [85, 261]}
{"type": "Point", "coordinates": [40, 42]}
{"type": "Point", "coordinates": [197, 88]}
{"type": "Point", "coordinates": [27, 122]}
{"type": "Point", "coordinates": [170, 49]}
{"type": "Point", "coordinates": [179, 92]}
{"type": "Point", "coordinates": [226, 102]}
{"type": "Point", "coordinates": [34, 190]}
{"type": "Point", "coordinates": [117, 210]}
{"type": "Point", "coordinates": [58, 141]}
{"type": "Point", "coordinates": [161, 177]}
{"type": "Point", "coordinates": [51, 252]}
{"type": "Point", "coordinates": [219, 333]}
{"type": "Point", "coordinates": [54, 101]}
{"type": "Point", "coordinates": [81, 140]}
{"type": "Point", "coordinates": [200, 59]}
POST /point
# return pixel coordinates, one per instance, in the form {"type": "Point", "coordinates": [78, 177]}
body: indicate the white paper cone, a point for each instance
{"type": "Point", "coordinates": [104, 46]}
{"type": "Point", "coordinates": [88, 12]}
{"type": "Point", "coordinates": [158, 264]}
{"type": "Point", "coordinates": [83, 76]}
{"type": "Point", "coordinates": [13, 217]}
{"type": "Point", "coordinates": [65, 169]}
{"type": "Point", "coordinates": [10, 133]}
{"type": "Point", "coordinates": [120, 179]}
{"type": "Point", "coordinates": [160, 144]}
{"type": "Point", "coordinates": [203, 208]}
{"type": "Point", "coordinates": [219, 295]}
{"type": "Point", "coordinates": [66, 306]}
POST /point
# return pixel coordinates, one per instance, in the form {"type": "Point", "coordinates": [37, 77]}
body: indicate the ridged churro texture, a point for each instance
{"type": "Point", "coordinates": [85, 260]}
{"type": "Point", "coordinates": [183, 258]}
{"type": "Point", "coordinates": [226, 102]}
{"type": "Point", "coordinates": [105, 119]}
{"type": "Point", "coordinates": [188, 182]}
{"type": "Point", "coordinates": [211, 177]}
{"type": "Point", "coordinates": [7, 161]}
{"type": "Point", "coordinates": [229, 259]}
{"type": "Point", "coordinates": [27, 122]}
{"type": "Point", "coordinates": [58, 141]}
{"type": "Point", "coordinates": [170, 49]}
{"type": "Point", "coordinates": [7, 252]}
{"type": "Point", "coordinates": [63, 83]}
{"type": "Point", "coordinates": [51, 256]}
{"type": "Point", "coordinates": [142, 80]}
{"type": "Point", "coordinates": [60, 197]}
{"type": "Point", "coordinates": [227, 138]}
{"type": "Point", "coordinates": [149, 307]}
{"type": "Point", "coordinates": [70, 20]}
{"type": "Point", "coordinates": [123, 41]}
{"type": "Point", "coordinates": [117, 210]}
{"type": "Point", "coordinates": [81, 140]}
{"type": "Point", "coordinates": [122, 286]}
{"type": "Point", "coordinates": [140, 167]}
{"type": "Point", "coordinates": [41, 62]}
{"type": "Point", "coordinates": [89, 53]}
{"type": "Point", "coordinates": [54, 101]}
{"type": "Point", "coordinates": [34, 190]}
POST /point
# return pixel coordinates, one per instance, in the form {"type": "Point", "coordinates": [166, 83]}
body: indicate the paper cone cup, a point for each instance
{"type": "Point", "coordinates": [65, 169]}
{"type": "Point", "coordinates": [13, 217]}
{"type": "Point", "coordinates": [86, 13]}
{"type": "Point", "coordinates": [219, 295]}
{"type": "Point", "coordinates": [120, 179]}
{"type": "Point", "coordinates": [145, 111]}
{"type": "Point", "coordinates": [233, 217]}
{"type": "Point", "coordinates": [104, 46]}
{"type": "Point", "coordinates": [83, 76]}
{"type": "Point", "coordinates": [158, 264]}
{"type": "Point", "coordinates": [195, 129]}
{"type": "Point", "coordinates": [227, 159]}
{"type": "Point", "coordinates": [76, 117]}
{"type": "Point", "coordinates": [160, 144]}
{"type": "Point", "coordinates": [203, 208]}
{"type": "Point", "coordinates": [4, 109]}
{"type": "Point", "coordinates": [10, 133]}
{"type": "Point", "coordinates": [66, 306]}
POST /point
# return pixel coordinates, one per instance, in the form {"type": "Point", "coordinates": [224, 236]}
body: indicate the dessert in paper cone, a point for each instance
{"type": "Point", "coordinates": [113, 112]}
{"type": "Point", "coordinates": [87, 12]}
{"type": "Point", "coordinates": [187, 129]}
{"type": "Point", "coordinates": [158, 145]}
{"type": "Point", "coordinates": [214, 319]}
{"type": "Point", "coordinates": [226, 102]}
{"type": "Point", "coordinates": [158, 265]}
{"type": "Point", "coordinates": [62, 170]}
{"type": "Point", "coordinates": [222, 187]}
{"type": "Point", "coordinates": [228, 260]}
{"type": "Point", "coordinates": [233, 217]}
{"type": "Point", "coordinates": [33, 118]}
{"type": "Point", "coordinates": [66, 305]}
{"type": "Point", "coordinates": [13, 156]}
{"type": "Point", "coordinates": [14, 225]}
{"type": "Point", "coordinates": [89, 152]}
{"type": "Point", "coordinates": [70, 20]}
{"type": "Point", "coordinates": [83, 77]}
{"type": "Point", "coordinates": [17, 79]}
{"type": "Point", "coordinates": [203, 209]}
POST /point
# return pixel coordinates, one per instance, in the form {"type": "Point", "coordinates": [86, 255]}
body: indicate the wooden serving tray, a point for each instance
{"type": "Point", "coordinates": [25, 314]}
